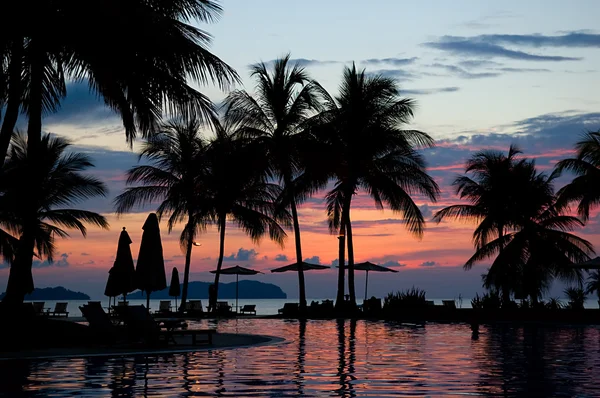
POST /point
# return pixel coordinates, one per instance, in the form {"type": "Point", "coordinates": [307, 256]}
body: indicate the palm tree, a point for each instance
{"type": "Point", "coordinates": [585, 187]}
{"type": "Point", "coordinates": [139, 66]}
{"type": "Point", "coordinates": [539, 246]}
{"type": "Point", "coordinates": [372, 152]}
{"type": "Point", "coordinates": [178, 164]}
{"type": "Point", "coordinates": [593, 284]}
{"type": "Point", "coordinates": [491, 193]}
{"type": "Point", "coordinates": [36, 209]}
{"type": "Point", "coordinates": [274, 119]}
{"type": "Point", "coordinates": [237, 188]}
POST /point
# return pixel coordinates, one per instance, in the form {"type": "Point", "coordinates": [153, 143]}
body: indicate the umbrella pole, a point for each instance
{"type": "Point", "coordinates": [366, 284]}
{"type": "Point", "coordinates": [236, 293]}
{"type": "Point", "coordinates": [148, 300]}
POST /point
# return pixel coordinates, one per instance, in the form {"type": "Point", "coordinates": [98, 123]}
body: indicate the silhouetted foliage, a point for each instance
{"type": "Point", "coordinates": [576, 296]}
{"type": "Point", "coordinates": [413, 298]}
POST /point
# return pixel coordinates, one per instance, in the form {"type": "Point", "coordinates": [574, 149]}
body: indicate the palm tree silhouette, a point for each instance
{"type": "Point", "coordinates": [585, 187]}
{"type": "Point", "coordinates": [237, 188]}
{"type": "Point", "coordinates": [178, 164]}
{"type": "Point", "coordinates": [593, 284]}
{"type": "Point", "coordinates": [491, 195]}
{"type": "Point", "coordinates": [539, 245]}
{"type": "Point", "coordinates": [371, 151]}
{"type": "Point", "coordinates": [34, 190]}
{"type": "Point", "coordinates": [139, 66]}
{"type": "Point", "coordinates": [274, 120]}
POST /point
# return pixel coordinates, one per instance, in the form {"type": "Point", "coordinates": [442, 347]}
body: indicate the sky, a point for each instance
{"type": "Point", "coordinates": [484, 75]}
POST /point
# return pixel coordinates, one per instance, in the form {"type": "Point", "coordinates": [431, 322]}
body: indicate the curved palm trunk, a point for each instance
{"type": "Point", "coordinates": [222, 223]}
{"type": "Point", "coordinates": [301, 286]}
{"type": "Point", "coordinates": [351, 289]}
{"type": "Point", "coordinates": [188, 261]}
{"type": "Point", "coordinates": [14, 97]}
{"type": "Point", "coordinates": [505, 284]}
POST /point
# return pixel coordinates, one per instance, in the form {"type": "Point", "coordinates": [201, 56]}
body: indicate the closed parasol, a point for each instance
{"type": "Point", "coordinates": [150, 270]}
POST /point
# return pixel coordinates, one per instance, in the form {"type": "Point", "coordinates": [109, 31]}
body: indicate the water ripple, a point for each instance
{"type": "Point", "coordinates": [337, 359]}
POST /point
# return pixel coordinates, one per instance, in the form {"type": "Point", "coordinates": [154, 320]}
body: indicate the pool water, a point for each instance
{"type": "Point", "coordinates": [337, 358]}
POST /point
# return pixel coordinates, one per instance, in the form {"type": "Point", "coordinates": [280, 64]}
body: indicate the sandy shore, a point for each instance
{"type": "Point", "coordinates": [184, 344]}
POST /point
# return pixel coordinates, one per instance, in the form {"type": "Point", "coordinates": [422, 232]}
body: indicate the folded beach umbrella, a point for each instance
{"type": "Point", "coordinates": [150, 270]}
{"type": "Point", "coordinates": [174, 288]}
{"type": "Point", "coordinates": [368, 266]}
{"type": "Point", "coordinates": [121, 277]}
{"type": "Point", "coordinates": [237, 271]}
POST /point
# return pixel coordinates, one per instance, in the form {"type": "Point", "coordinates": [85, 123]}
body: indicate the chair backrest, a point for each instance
{"type": "Point", "coordinates": [122, 303]}
{"type": "Point", "coordinates": [38, 306]}
{"type": "Point", "coordinates": [139, 320]}
{"type": "Point", "coordinates": [61, 307]}
{"type": "Point", "coordinates": [222, 305]}
{"type": "Point", "coordinates": [449, 303]}
{"type": "Point", "coordinates": [165, 305]}
{"type": "Point", "coordinates": [249, 307]}
{"type": "Point", "coordinates": [290, 306]}
{"type": "Point", "coordinates": [194, 305]}
{"type": "Point", "coordinates": [96, 317]}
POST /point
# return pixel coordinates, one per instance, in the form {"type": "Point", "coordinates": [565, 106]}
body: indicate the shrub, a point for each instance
{"type": "Point", "coordinates": [554, 304]}
{"type": "Point", "coordinates": [409, 299]}
{"type": "Point", "coordinates": [489, 301]}
{"type": "Point", "coordinates": [576, 298]}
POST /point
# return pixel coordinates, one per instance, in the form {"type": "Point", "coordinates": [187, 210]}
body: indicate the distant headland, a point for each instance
{"type": "Point", "coordinates": [54, 293]}
{"type": "Point", "coordinates": [246, 290]}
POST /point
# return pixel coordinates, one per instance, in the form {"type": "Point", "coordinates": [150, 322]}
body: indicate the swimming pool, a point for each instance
{"type": "Point", "coordinates": [337, 358]}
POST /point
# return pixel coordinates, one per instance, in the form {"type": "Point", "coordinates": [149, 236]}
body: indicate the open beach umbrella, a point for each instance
{"type": "Point", "coordinates": [368, 266]}
{"type": "Point", "coordinates": [237, 271]}
{"type": "Point", "coordinates": [121, 277]}
{"type": "Point", "coordinates": [174, 288]}
{"type": "Point", "coordinates": [150, 270]}
{"type": "Point", "coordinates": [305, 267]}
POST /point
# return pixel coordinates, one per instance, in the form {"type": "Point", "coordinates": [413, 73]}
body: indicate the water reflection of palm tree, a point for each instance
{"type": "Point", "coordinates": [122, 381]}
{"type": "Point", "coordinates": [345, 375]}
{"type": "Point", "coordinates": [299, 379]}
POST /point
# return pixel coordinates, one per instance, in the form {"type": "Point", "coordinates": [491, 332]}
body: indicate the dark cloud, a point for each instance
{"type": "Point", "coordinates": [426, 211]}
{"type": "Point", "coordinates": [393, 264]}
{"type": "Point", "coordinates": [313, 260]}
{"type": "Point", "coordinates": [242, 255]}
{"type": "Point", "coordinates": [305, 62]}
{"type": "Point", "coordinates": [428, 264]}
{"type": "Point", "coordinates": [427, 91]}
{"type": "Point", "coordinates": [390, 61]}
{"type": "Point", "coordinates": [62, 261]}
{"type": "Point", "coordinates": [335, 263]}
{"type": "Point", "coordinates": [580, 39]}
{"type": "Point", "coordinates": [463, 73]}
{"type": "Point", "coordinates": [84, 254]}
{"type": "Point", "coordinates": [374, 223]}
{"type": "Point", "coordinates": [519, 70]}
{"type": "Point", "coordinates": [485, 46]}
{"type": "Point", "coordinates": [281, 257]}
{"type": "Point", "coordinates": [478, 63]}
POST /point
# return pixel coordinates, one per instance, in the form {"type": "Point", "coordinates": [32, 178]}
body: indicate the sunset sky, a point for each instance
{"type": "Point", "coordinates": [484, 74]}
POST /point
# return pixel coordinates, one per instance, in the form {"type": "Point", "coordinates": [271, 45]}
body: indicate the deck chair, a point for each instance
{"type": "Point", "coordinates": [38, 307]}
{"type": "Point", "coordinates": [289, 309]}
{"type": "Point", "coordinates": [449, 304]}
{"type": "Point", "coordinates": [248, 309]}
{"type": "Point", "coordinates": [60, 309]}
{"type": "Point", "coordinates": [164, 307]}
{"type": "Point", "coordinates": [193, 307]}
{"type": "Point", "coordinates": [100, 323]}
{"type": "Point", "coordinates": [223, 307]}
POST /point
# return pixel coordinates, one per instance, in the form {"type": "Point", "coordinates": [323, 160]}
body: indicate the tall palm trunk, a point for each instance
{"type": "Point", "coordinates": [339, 301]}
{"type": "Point", "coordinates": [20, 279]}
{"type": "Point", "coordinates": [505, 277]}
{"type": "Point", "coordinates": [34, 128]}
{"type": "Point", "coordinates": [351, 288]}
{"type": "Point", "coordinates": [14, 97]}
{"type": "Point", "coordinates": [222, 223]}
{"type": "Point", "coordinates": [188, 261]}
{"type": "Point", "coordinates": [301, 286]}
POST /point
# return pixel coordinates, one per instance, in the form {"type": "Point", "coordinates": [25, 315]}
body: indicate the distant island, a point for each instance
{"type": "Point", "coordinates": [53, 293]}
{"type": "Point", "coordinates": [199, 290]}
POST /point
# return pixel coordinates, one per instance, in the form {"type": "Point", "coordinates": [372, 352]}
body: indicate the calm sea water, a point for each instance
{"type": "Point", "coordinates": [263, 306]}
{"type": "Point", "coordinates": [337, 358]}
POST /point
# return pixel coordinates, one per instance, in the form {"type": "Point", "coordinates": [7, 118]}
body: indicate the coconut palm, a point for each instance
{"type": "Point", "coordinates": [490, 191]}
{"type": "Point", "coordinates": [371, 151]}
{"type": "Point", "coordinates": [274, 119]}
{"type": "Point", "coordinates": [585, 187]}
{"type": "Point", "coordinates": [593, 284]}
{"type": "Point", "coordinates": [35, 191]}
{"type": "Point", "coordinates": [539, 246]}
{"type": "Point", "coordinates": [236, 188]}
{"type": "Point", "coordinates": [139, 66]}
{"type": "Point", "coordinates": [177, 156]}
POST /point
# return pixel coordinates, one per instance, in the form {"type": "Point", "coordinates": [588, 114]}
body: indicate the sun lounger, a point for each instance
{"type": "Point", "coordinates": [449, 304]}
{"type": "Point", "coordinates": [248, 309]}
{"type": "Point", "coordinates": [289, 309]}
{"type": "Point", "coordinates": [223, 307]}
{"type": "Point", "coordinates": [38, 307]}
{"type": "Point", "coordinates": [60, 309]}
{"type": "Point", "coordinates": [429, 303]}
{"type": "Point", "coordinates": [193, 307]}
{"type": "Point", "coordinates": [164, 307]}
{"type": "Point", "coordinates": [142, 325]}
{"type": "Point", "coordinates": [100, 323]}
